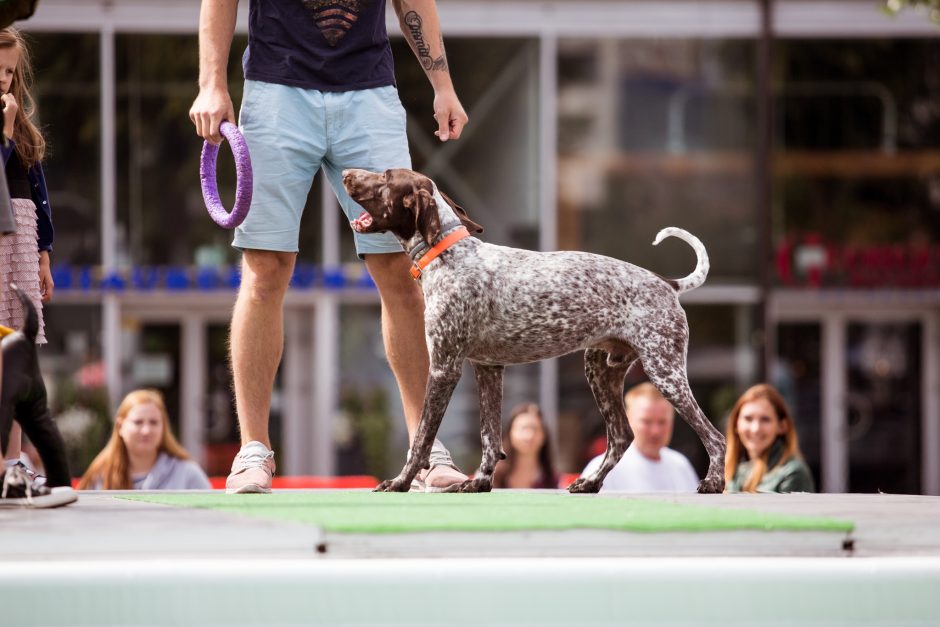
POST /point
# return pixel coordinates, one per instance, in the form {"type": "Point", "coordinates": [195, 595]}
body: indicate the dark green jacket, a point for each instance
{"type": "Point", "coordinates": [791, 476]}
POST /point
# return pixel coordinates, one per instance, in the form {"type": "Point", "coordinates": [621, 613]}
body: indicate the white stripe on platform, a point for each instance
{"type": "Point", "coordinates": [558, 591]}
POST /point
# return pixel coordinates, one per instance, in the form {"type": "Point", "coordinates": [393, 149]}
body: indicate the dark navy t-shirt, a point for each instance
{"type": "Point", "coordinates": [330, 45]}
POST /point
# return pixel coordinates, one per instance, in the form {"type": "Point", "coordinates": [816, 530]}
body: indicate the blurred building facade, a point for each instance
{"type": "Point", "coordinates": [799, 140]}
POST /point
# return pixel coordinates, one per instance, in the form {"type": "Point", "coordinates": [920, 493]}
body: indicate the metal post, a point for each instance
{"type": "Point", "coordinates": [297, 387]}
{"type": "Point", "coordinates": [193, 378]}
{"type": "Point", "coordinates": [325, 383]}
{"type": "Point", "coordinates": [764, 163]}
{"type": "Point", "coordinates": [325, 367]}
{"type": "Point", "coordinates": [931, 395]}
{"type": "Point", "coordinates": [548, 196]}
{"type": "Point", "coordinates": [835, 453]}
{"type": "Point", "coordinates": [111, 306]}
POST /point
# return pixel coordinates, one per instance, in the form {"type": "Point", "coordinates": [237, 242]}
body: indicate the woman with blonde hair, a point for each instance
{"type": "Point", "coordinates": [763, 449]}
{"type": "Point", "coordinates": [142, 453]}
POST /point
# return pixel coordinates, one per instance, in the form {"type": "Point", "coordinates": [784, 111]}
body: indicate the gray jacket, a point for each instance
{"type": "Point", "coordinates": [172, 473]}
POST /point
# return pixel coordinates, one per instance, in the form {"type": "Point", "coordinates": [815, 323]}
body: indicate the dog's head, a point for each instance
{"type": "Point", "coordinates": [400, 201]}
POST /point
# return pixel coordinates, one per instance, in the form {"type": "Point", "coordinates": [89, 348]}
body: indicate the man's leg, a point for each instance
{"type": "Point", "coordinates": [402, 330]}
{"type": "Point", "coordinates": [256, 345]}
{"type": "Point", "coordinates": [284, 130]}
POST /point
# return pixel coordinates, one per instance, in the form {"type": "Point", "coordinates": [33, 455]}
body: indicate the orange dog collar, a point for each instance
{"type": "Point", "coordinates": [422, 263]}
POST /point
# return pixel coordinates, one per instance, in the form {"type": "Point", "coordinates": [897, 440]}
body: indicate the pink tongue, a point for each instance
{"type": "Point", "coordinates": [363, 221]}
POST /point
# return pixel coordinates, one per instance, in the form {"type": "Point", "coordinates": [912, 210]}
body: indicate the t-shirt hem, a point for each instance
{"type": "Point", "coordinates": [291, 82]}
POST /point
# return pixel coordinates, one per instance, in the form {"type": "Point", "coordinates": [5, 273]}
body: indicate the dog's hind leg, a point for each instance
{"type": "Point", "coordinates": [490, 385]}
{"type": "Point", "coordinates": [665, 365]}
{"type": "Point", "coordinates": [442, 380]}
{"type": "Point", "coordinates": [606, 377]}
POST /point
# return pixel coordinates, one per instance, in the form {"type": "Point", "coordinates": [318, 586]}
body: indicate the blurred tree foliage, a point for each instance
{"type": "Point", "coordinates": [84, 420]}
{"type": "Point", "coordinates": [892, 7]}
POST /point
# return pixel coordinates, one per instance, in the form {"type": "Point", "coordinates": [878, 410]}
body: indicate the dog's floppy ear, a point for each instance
{"type": "Point", "coordinates": [472, 226]}
{"type": "Point", "coordinates": [427, 222]}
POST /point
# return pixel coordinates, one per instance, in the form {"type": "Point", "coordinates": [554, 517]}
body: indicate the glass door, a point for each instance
{"type": "Point", "coordinates": [862, 383]}
{"type": "Point", "coordinates": [883, 405]}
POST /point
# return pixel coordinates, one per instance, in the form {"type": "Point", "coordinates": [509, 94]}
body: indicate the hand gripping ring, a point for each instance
{"type": "Point", "coordinates": [243, 186]}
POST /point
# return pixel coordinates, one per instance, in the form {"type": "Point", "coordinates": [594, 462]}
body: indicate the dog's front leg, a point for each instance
{"type": "Point", "coordinates": [441, 384]}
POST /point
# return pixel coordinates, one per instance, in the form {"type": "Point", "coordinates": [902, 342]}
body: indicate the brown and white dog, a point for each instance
{"type": "Point", "coordinates": [497, 306]}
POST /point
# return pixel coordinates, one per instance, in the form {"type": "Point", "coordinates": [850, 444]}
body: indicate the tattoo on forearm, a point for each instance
{"type": "Point", "coordinates": [440, 63]}
{"type": "Point", "coordinates": [422, 49]}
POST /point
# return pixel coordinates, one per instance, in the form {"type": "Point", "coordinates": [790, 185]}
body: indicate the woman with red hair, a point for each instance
{"type": "Point", "coordinates": [763, 449]}
{"type": "Point", "coordinates": [142, 453]}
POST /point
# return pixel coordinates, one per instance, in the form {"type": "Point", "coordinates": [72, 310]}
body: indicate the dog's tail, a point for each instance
{"type": "Point", "coordinates": [31, 318]}
{"type": "Point", "coordinates": [701, 268]}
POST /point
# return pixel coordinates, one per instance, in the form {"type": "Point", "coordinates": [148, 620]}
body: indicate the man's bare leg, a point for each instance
{"type": "Point", "coordinates": [403, 335]}
{"type": "Point", "coordinates": [402, 330]}
{"type": "Point", "coordinates": [256, 346]}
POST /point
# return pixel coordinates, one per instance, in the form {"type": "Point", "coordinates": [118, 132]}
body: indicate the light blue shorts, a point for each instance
{"type": "Point", "coordinates": [291, 132]}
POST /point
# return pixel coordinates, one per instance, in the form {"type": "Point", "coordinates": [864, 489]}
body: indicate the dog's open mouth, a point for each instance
{"type": "Point", "coordinates": [363, 222]}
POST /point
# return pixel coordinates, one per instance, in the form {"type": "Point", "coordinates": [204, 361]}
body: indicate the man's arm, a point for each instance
{"type": "Point", "coordinates": [213, 105]}
{"type": "Point", "coordinates": [422, 30]}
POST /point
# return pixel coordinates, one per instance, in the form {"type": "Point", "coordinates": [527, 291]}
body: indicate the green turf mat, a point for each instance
{"type": "Point", "coordinates": [366, 512]}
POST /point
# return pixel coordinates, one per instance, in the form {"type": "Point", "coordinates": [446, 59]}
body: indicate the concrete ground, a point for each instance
{"type": "Point", "coordinates": [100, 526]}
{"type": "Point", "coordinates": [107, 561]}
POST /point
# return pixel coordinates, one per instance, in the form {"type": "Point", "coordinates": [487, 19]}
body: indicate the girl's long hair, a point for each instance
{"type": "Point", "coordinates": [546, 464]}
{"type": "Point", "coordinates": [112, 466]}
{"type": "Point", "coordinates": [30, 145]}
{"type": "Point", "coordinates": [736, 451]}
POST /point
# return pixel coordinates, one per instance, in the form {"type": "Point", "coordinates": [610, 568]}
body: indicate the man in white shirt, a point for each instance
{"type": "Point", "coordinates": [648, 465]}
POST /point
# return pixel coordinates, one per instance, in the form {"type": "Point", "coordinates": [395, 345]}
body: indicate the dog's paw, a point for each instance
{"type": "Point", "coordinates": [584, 486]}
{"type": "Point", "coordinates": [392, 485]}
{"type": "Point", "coordinates": [711, 485]}
{"type": "Point", "coordinates": [478, 484]}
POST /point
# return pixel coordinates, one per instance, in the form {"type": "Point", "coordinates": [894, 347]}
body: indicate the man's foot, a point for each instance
{"type": "Point", "coordinates": [252, 470]}
{"type": "Point", "coordinates": [19, 490]}
{"type": "Point", "coordinates": [442, 476]}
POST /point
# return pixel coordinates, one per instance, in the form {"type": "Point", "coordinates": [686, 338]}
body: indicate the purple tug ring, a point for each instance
{"type": "Point", "coordinates": [243, 186]}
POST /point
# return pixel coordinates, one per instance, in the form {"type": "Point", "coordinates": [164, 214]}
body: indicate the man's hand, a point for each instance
{"type": "Point", "coordinates": [9, 113]}
{"type": "Point", "coordinates": [46, 285]}
{"type": "Point", "coordinates": [422, 30]}
{"type": "Point", "coordinates": [212, 106]}
{"type": "Point", "coordinates": [450, 116]}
